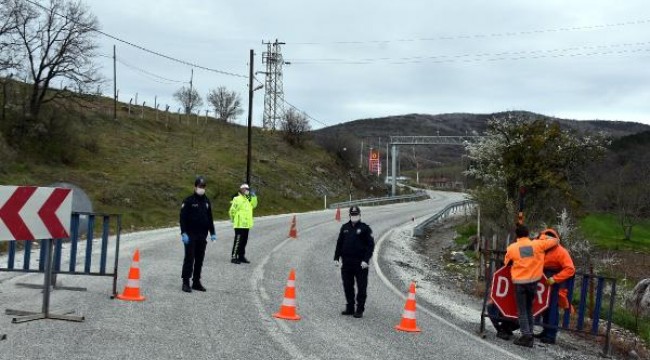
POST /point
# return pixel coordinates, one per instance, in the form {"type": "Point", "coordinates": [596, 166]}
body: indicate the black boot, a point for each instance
{"type": "Point", "coordinates": [359, 313]}
{"type": "Point", "coordinates": [235, 261]}
{"type": "Point", "coordinates": [186, 286]}
{"type": "Point", "coordinates": [525, 340]}
{"type": "Point", "coordinates": [349, 310]}
{"type": "Point", "coordinates": [243, 260]}
{"type": "Point", "coordinates": [197, 286]}
{"type": "Point", "coordinates": [505, 335]}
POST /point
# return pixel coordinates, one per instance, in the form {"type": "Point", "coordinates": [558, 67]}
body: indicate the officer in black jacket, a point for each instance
{"type": "Point", "coordinates": [354, 249]}
{"type": "Point", "coordinates": [196, 222]}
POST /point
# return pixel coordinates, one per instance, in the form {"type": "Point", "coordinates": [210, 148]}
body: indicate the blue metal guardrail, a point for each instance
{"type": "Point", "coordinates": [421, 195]}
{"type": "Point", "coordinates": [442, 215]}
{"type": "Point", "coordinates": [586, 313]}
{"type": "Point", "coordinates": [105, 222]}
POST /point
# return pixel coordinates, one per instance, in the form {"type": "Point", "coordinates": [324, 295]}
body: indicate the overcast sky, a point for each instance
{"type": "Point", "coordinates": [580, 59]}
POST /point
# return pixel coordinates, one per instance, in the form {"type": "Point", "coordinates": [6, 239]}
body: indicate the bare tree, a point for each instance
{"type": "Point", "coordinates": [629, 191]}
{"type": "Point", "coordinates": [226, 104]}
{"type": "Point", "coordinates": [294, 125]}
{"type": "Point", "coordinates": [190, 100]}
{"type": "Point", "coordinates": [59, 43]}
{"type": "Point", "coordinates": [7, 29]}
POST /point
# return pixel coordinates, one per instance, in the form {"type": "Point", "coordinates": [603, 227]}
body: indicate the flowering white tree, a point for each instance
{"type": "Point", "coordinates": [518, 151]}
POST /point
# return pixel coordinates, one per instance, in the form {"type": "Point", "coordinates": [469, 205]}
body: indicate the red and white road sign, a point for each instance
{"type": "Point", "coordinates": [32, 213]}
{"type": "Point", "coordinates": [503, 294]}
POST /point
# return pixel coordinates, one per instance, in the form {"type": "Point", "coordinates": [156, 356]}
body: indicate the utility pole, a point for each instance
{"type": "Point", "coordinates": [361, 156]}
{"type": "Point", "coordinates": [114, 84]}
{"type": "Point", "coordinates": [274, 91]}
{"type": "Point", "coordinates": [393, 170]}
{"type": "Point", "coordinates": [387, 157]}
{"type": "Point", "coordinates": [188, 111]}
{"type": "Point", "coordinates": [250, 116]}
{"type": "Point", "coordinates": [379, 160]}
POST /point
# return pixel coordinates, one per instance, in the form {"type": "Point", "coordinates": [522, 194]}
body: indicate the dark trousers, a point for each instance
{"type": "Point", "coordinates": [194, 255]}
{"type": "Point", "coordinates": [525, 294]}
{"type": "Point", "coordinates": [551, 317]}
{"type": "Point", "coordinates": [239, 244]}
{"type": "Point", "coordinates": [351, 271]}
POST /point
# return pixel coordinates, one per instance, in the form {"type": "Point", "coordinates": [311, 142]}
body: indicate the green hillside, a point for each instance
{"type": "Point", "coordinates": [143, 167]}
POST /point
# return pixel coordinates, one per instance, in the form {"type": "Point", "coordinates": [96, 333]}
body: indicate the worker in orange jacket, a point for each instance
{"type": "Point", "coordinates": [558, 268]}
{"type": "Point", "coordinates": [527, 260]}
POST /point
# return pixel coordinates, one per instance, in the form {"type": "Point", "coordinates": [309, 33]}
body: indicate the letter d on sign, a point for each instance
{"type": "Point", "coordinates": [502, 286]}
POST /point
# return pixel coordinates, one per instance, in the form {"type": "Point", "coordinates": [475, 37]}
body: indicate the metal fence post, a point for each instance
{"type": "Point", "coordinates": [607, 346]}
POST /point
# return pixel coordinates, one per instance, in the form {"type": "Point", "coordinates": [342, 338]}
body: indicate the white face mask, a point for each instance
{"type": "Point", "coordinates": [200, 191]}
{"type": "Point", "coordinates": [246, 192]}
{"type": "Point", "coordinates": [355, 218]}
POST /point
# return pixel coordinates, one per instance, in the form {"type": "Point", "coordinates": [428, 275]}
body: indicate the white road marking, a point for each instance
{"type": "Point", "coordinates": [278, 336]}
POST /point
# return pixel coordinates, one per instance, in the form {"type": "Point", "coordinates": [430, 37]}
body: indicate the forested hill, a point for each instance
{"type": "Point", "coordinates": [349, 135]}
{"type": "Point", "coordinates": [465, 123]}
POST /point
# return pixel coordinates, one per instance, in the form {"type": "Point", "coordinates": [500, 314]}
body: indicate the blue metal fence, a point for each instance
{"type": "Point", "coordinates": [67, 263]}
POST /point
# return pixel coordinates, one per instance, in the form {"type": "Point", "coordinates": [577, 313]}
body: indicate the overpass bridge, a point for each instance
{"type": "Point", "coordinates": [396, 141]}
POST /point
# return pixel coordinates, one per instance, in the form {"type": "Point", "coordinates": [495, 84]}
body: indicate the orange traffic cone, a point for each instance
{"type": "Point", "coordinates": [337, 217]}
{"type": "Point", "coordinates": [293, 233]}
{"type": "Point", "coordinates": [132, 288]}
{"type": "Point", "coordinates": [408, 317]}
{"type": "Point", "coordinates": [288, 307]}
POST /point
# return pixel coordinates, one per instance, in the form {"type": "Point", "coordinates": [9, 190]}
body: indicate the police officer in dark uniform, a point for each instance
{"type": "Point", "coordinates": [353, 251]}
{"type": "Point", "coordinates": [196, 221]}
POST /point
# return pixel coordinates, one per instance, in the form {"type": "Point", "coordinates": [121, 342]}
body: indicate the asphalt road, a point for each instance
{"type": "Point", "coordinates": [232, 320]}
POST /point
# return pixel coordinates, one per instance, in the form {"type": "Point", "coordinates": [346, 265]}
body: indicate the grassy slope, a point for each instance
{"type": "Point", "coordinates": [606, 233]}
{"type": "Point", "coordinates": [143, 168]}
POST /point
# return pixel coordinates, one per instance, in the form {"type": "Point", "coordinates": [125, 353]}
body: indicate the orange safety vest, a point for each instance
{"type": "Point", "coordinates": [527, 258]}
{"type": "Point", "coordinates": [557, 259]}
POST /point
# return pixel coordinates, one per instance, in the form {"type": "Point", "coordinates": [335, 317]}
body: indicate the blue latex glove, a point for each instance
{"type": "Point", "coordinates": [252, 192]}
{"type": "Point", "coordinates": [185, 239]}
{"type": "Point", "coordinates": [213, 237]}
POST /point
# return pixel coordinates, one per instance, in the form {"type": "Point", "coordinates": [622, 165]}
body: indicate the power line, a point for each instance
{"type": "Point", "coordinates": [167, 81]}
{"type": "Point", "coordinates": [142, 48]}
{"type": "Point", "coordinates": [508, 55]}
{"type": "Point", "coordinates": [483, 36]}
{"type": "Point", "coordinates": [302, 112]}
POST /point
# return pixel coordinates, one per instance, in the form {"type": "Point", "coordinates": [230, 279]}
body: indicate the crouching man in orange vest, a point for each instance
{"type": "Point", "coordinates": [527, 260]}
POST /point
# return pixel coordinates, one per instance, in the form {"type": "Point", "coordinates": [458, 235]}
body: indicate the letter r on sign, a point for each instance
{"type": "Point", "coordinates": [540, 291]}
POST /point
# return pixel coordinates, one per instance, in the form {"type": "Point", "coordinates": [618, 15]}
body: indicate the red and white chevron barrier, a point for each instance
{"type": "Point", "coordinates": [32, 213]}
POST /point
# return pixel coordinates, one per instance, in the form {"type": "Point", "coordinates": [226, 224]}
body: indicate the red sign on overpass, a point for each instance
{"type": "Point", "coordinates": [503, 294]}
{"type": "Point", "coordinates": [31, 213]}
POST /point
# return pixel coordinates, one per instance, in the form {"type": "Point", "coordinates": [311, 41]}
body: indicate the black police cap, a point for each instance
{"type": "Point", "coordinates": [354, 210]}
{"type": "Point", "coordinates": [200, 181]}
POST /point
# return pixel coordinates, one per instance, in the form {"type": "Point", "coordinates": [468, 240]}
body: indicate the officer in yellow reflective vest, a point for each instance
{"type": "Point", "coordinates": [241, 215]}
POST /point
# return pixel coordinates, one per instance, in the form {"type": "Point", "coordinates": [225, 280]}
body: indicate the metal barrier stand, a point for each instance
{"type": "Point", "coordinates": [54, 283]}
{"type": "Point", "coordinates": [24, 316]}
